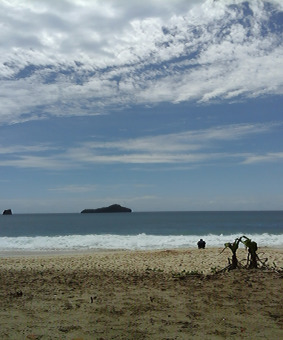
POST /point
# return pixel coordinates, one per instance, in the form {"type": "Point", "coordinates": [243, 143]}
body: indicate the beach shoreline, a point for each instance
{"type": "Point", "coordinates": [82, 251]}
{"type": "Point", "coordinates": [203, 261]}
{"type": "Point", "coordinates": [121, 294]}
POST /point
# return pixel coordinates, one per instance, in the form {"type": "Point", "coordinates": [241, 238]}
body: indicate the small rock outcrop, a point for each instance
{"type": "Point", "coordinates": [7, 212]}
{"type": "Point", "coordinates": [114, 208]}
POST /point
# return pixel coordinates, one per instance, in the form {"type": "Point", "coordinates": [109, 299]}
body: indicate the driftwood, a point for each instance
{"type": "Point", "coordinates": [253, 261]}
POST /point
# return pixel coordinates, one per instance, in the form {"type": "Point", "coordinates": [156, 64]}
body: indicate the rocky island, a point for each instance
{"type": "Point", "coordinates": [114, 208]}
{"type": "Point", "coordinates": [7, 212]}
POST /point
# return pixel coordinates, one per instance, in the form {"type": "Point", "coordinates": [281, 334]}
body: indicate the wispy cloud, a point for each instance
{"type": "Point", "coordinates": [62, 58]}
{"type": "Point", "coordinates": [74, 189]}
{"type": "Point", "coordinates": [20, 149]}
{"type": "Point", "coordinates": [184, 148]}
{"type": "Point", "coordinates": [264, 158]}
{"type": "Point", "coordinates": [37, 162]}
{"type": "Point", "coordinates": [192, 147]}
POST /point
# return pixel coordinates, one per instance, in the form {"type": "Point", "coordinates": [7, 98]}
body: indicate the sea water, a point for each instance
{"type": "Point", "coordinates": [137, 230]}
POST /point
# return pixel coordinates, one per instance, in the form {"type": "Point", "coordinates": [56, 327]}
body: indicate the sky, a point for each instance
{"type": "Point", "coordinates": [156, 105]}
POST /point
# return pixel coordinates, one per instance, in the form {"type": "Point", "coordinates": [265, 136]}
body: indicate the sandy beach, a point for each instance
{"type": "Point", "coordinates": [166, 294]}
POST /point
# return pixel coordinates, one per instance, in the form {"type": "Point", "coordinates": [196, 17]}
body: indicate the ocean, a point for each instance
{"type": "Point", "coordinates": [137, 230]}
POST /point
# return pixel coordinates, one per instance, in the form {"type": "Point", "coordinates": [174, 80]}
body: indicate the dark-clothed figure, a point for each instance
{"type": "Point", "coordinates": [201, 244]}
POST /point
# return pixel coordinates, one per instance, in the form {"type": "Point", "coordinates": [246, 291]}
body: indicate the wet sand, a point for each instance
{"type": "Point", "coordinates": [166, 294]}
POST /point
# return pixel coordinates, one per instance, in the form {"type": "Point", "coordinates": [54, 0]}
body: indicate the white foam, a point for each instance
{"type": "Point", "coordinates": [130, 242]}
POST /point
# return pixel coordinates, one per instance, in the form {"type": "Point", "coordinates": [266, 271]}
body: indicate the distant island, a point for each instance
{"type": "Point", "coordinates": [114, 208]}
{"type": "Point", "coordinates": [7, 212]}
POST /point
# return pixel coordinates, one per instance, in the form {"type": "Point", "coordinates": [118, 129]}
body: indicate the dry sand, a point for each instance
{"type": "Point", "coordinates": [139, 295]}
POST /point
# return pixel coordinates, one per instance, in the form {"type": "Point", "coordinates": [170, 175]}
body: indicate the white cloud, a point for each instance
{"type": "Point", "coordinates": [189, 148]}
{"type": "Point", "coordinates": [182, 141]}
{"type": "Point", "coordinates": [74, 189]}
{"type": "Point", "coordinates": [264, 158]}
{"type": "Point", "coordinates": [19, 149]}
{"type": "Point", "coordinates": [75, 57]}
{"type": "Point", "coordinates": [37, 162]}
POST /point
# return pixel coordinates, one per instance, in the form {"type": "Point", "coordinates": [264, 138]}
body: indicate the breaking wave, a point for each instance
{"type": "Point", "coordinates": [128, 242]}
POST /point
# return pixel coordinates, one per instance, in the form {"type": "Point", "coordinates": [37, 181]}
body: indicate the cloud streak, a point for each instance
{"type": "Point", "coordinates": [264, 158]}
{"type": "Point", "coordinates": [74, 189]}
{"type": "Point", "coordinates": [66, 58]}
{"type": "Point", "coordinates": [200, 147]}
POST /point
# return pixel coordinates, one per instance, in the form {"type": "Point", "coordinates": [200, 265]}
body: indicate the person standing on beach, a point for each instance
{"type": "Point", "coordinates": [201, 244]}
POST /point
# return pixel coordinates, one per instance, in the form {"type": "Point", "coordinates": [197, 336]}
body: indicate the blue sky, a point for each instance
{"type": "Point", "coordinates": [155, 105]}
